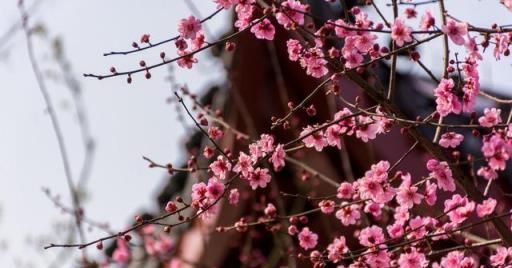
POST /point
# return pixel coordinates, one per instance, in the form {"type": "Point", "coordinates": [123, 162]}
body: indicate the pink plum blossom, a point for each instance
{"type": "Point", "coordinates": [290, 12]}
{"type": "Point", "coordinates": [486, 208]}
{"type": "Point", "coordinates": [348, 214]}
{"type": "Point", "coordinates": [277, 158]}
{"type": "Point", "coordinates": [307, 238]}
{"type": "Point", "coordinates": [264, 30]}
{"type": "Point", "coordinates": [490, 118]}
{"type": "Point", "coordinates": [442, 173]}
{"type": "Point", "coordinates": [400, 32]}
{"type": "Point", "coordinates": [371, 236]}
{"type": "Point", "coordinates": [233, 196]}
{"type": "Point", "coordinates": [455, 31]}
{"type": "Point", "coordinates": [314, 139]}
{"type": "Point", "coordinates": [189, 27]}
{"type": "Point", "coordinates": [451, 139]}
{"type": "Point", "coordinates": [259, 178]}
{"type": "Point", "coordinates": [220, 167]}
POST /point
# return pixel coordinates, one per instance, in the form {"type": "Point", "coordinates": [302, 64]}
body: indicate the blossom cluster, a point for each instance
{"type": "Point", "coordinates": [381, 216]}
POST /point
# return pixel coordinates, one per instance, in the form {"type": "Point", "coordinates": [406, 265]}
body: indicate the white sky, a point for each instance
{"type": "Point", "coordinates": [127, 121]}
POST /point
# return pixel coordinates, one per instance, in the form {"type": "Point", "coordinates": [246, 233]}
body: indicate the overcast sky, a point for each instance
{"type": "Point", "coordinates": [127, 121]}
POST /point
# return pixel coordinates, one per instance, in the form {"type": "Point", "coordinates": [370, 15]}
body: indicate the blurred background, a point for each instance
{"type": "Point", "coordinates": [125, 121]}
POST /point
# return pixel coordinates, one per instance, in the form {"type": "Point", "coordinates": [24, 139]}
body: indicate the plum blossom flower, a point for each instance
{"type": "Point", "coordinates": [244, 165]}
{"type": "Point", "coordinates": [215, 133]}
{"type": "Point", "coordinates": [259, 178]}
{"type": "Point", "coordinates": [234, 196]}
{"type": "Point", "coordinates": [430, 193]}
{"type": "Point", "coordinates": [327, 206]}
{"type": "Point", "coordinates": [345, 190]}
{"type": "Point", "coordinates": [370, 188]}
{"type": "Point", "coordinates": [347, 124]}
{"type": "Point", "coordinates": [374, 208]}
{"type": "Point", "coordinates": [458, 208]}
{"type": "Point", "coordinates": [410, 12]}
{"type": "Point", "coordinates": [336, 249]}
{"type": "Point", "coordinates": [122, 253]}
{"type": "Point", "coordinates": [342, 29]}
{"type": "Point", "coordinates": [291, 12]}
{"type": "Point", "coordinates": [198, 191]}
{"type": "Point", "coordinates": [451, 139]}
{"type": "Point", "coordinates": [471, 88]}
{"type": "Point", "coordinates": [307, 238]}
{"type": "Point", "coordinates": [170, 207]}
{"type": "Point", "coordinates": [455, 31]}
{"type": "Point", "coordinates": [412, 259]}
{"type": "Point", "coordinates": [208, 152]}
{"type": "Point", "coordinates": [497, 151]}
{"type": "Point", "coordinates": [502, 257]}
{"type": "Point", "coordinates": [395, 230]}
{"type": "Point", "coordinates": [490, 118]}
{"type": "Point", "coordinates": [442, 173]}
{"type": "Point", "coordinates": [214, 189]}
{"type": "Point", "coordinates": [207, 209]}
{"type": "Point", "coordinates": [225, 4]}
{"type": "Point", "coordinates": [264, 30]}
{"type": "Point", "coordinates": [374, 183]}
{"type": "Point", "coordinates": [486, 208]}
{"type": "Point", "coordinates": [316, 139]}
{"type": "Point", "coordinates": [352, 58]}
{"type": "Point", "coordinates": [452, 259]}
{"type": "Point", "coordinates": [364, 42]}
{"type": "Point", "coordinates": [277, 158]}
{"type": "Point", "coordinates": [198, 42]}
{"type": "Point", "coordinates": [501, 45]}
{"type": "Point", "coordinates": [472, 48]}
{"type": "Point", "coordinates": [407, 194]}
{"type": "Point", "coordinates": [333, 136]}
{"type": "Point", "coordinates": [380, 258]}
{"type": "Point", "coordinates": [401, 214]}
{"type": "Point", "coordinates": [181, 44]}
{"type": "Point", "coordinates": [488, 173]}
{"type": "Point", "coordinates": [384, 124]}
{"type": "Point", "coordinates": [266, 143]}
{"type": "Point", "coordinates": [367, 129]}
{"type": "Point", "coordinates": [270, 210]}
{"type": "Point", "coordinates": [189, 27]}
{"type": "Point", "coordinates": [371, 236]}
{"type": "Point", "coordinates": [348, 214]}
{"type": "Point", "coordinates": [400, 32]}
{"type": "Point", "coordinates": [255, 151]}
{"type": "Point", "coordinates": [314, 62]}
{"type": "Point", "coordinates": [418, 228]}
{"type": "Point", "coordinates": [186, 59]}
{"type": "Point", "coordinates": [220, 167]}
{"type": "Point", "coordinates": [244, 12]}
{"type": "Point", "coordinates": [427, 20]}
{"type": "Point", "coordinates": [294, 49]}
{"type": "Point", "coordinates": [446, 101]}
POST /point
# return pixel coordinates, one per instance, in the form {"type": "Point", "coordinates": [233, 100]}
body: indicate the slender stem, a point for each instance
{"type": "Point", "coordinates": [138, 49]}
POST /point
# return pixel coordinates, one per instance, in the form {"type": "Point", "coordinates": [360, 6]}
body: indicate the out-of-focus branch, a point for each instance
{"type": "Point", "coordinates": [54, 120]}
{"type": "Point", "coordinates": [18, 25]}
